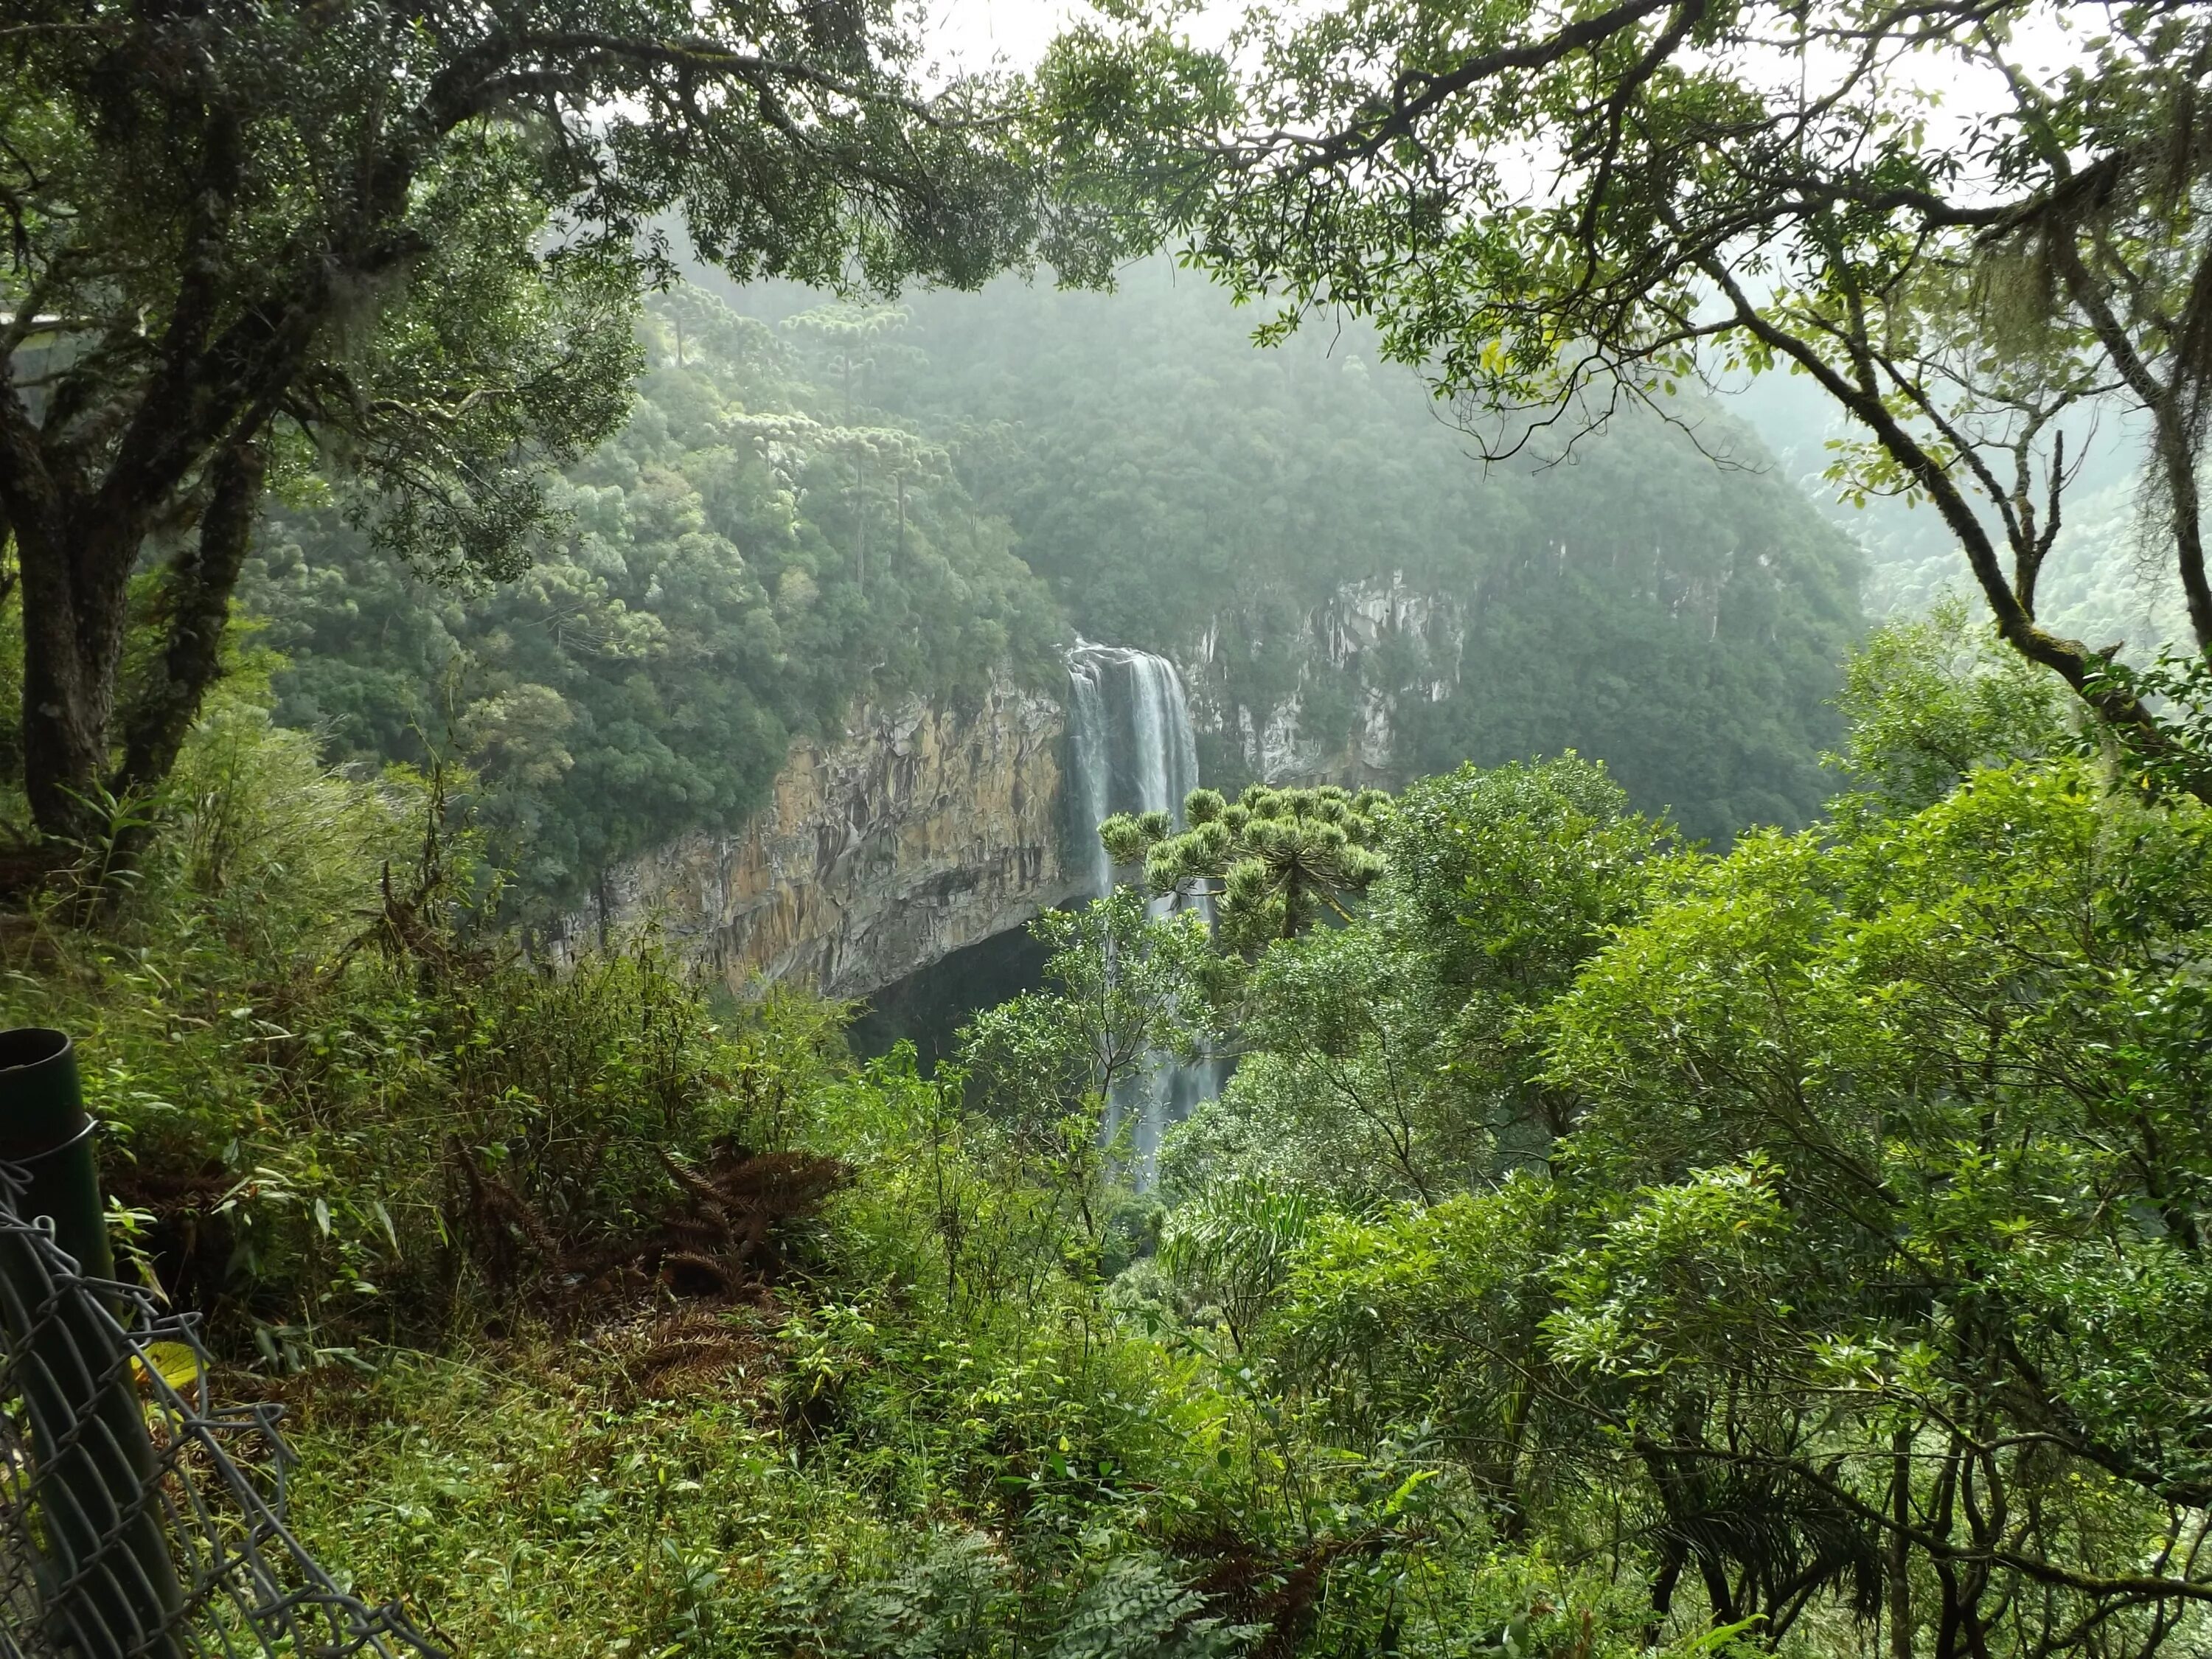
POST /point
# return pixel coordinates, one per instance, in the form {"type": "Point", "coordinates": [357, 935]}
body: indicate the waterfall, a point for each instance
{"type": "Point", "coordinates": [1131, 749]}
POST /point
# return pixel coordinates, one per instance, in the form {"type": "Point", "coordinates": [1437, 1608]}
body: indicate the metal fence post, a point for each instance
{"type": "Point", "coordinates": [113, 1591]}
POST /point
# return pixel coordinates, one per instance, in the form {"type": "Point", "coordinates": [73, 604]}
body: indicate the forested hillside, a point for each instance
{"type": "Point", "coordinates": [1629, 597]}
{"type": "Point", "coordinates": [850, 505]}
{"type": "Point", "coordinates": [747, 559]}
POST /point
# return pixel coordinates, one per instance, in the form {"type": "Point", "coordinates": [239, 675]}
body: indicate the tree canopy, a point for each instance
{"type": "Point", "coordinates": [1559, 210]}
{"type": "Point", "coordinates": [1268, 865]}
{"type": "Point", "coordinates": [1823, 1203]}
{"type": "Point", "coordinates": [402, 244]}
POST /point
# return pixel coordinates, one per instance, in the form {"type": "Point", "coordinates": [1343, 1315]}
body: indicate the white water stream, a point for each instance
{"type": "Point", "coordinates": [1132, 750]}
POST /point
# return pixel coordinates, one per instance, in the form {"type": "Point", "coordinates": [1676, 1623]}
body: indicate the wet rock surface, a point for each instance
{"type": "Point", "coordinates": [920, 831]}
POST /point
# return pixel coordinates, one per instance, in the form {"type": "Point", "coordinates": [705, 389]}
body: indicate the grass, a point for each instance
{"type": "Point", "coordinates": [582, 1500]}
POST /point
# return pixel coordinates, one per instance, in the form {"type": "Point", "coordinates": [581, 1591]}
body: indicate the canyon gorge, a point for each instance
{"type": "Point", "coordinates": [931, 828]}
{"type": "Point", "coordinates": [799, 683]}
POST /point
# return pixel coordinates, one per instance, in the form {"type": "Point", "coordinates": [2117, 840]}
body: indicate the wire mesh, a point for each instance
{"type": "Point", "coordinates": [136, 1516]}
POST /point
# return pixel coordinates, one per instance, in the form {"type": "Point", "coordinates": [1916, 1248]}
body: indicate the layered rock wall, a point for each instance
{"type": "Point", "coordinates": [924, 830]}
{"type": "Point", "coordinates": [1374, 646]}
{"type": "Point", "coordinates": [920, 830]}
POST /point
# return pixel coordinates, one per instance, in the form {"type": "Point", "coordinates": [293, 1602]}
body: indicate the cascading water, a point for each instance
{"type": "Point", "coordinates": [1132, 750]}
{"type": "Point", "coordinates": [1130, 731]}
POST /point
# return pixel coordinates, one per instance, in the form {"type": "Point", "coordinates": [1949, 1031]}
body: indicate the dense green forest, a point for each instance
{"type": "Point", "coordinates": [850, 504]}
{"type": "Point", "coordinates": [743, 563]}
{"type": "Point", "coordinates": [1624, 596]}
{"type": "Point", "coordinates": [1713, 1151]}
{"type": "Point", "coordinates": [1602, 1242]}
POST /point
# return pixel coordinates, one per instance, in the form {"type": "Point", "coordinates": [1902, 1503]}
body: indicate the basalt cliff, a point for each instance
{"type": "Point", "coordinates": [916, 832]}
{"type": "Point", "coordinates": [922, 831]}
{"type": "Point", "coordinates": [1332, 708]}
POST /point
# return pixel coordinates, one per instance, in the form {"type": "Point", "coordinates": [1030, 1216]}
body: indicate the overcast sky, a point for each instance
{"type": "Point", "coordinates": [970, 32]}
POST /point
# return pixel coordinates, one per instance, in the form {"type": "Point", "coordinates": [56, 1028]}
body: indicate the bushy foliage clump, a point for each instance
{"type": "Point", "coordinates": [335, 1105]}
{"type": "Point", "coordinates": [1823, 1221]}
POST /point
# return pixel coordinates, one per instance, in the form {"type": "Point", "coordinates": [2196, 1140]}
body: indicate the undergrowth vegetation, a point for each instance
{"type": "Point", "coordinates": [1603, 1247]}
{"type": "Point", "coordinates": [338, 1106]}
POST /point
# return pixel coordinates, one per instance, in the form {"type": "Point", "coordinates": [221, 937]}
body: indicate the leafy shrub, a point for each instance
{"type": "Point", "coordinates": [312, 1063]}
{"type": "Point", "coordinates": [1136, 1609]}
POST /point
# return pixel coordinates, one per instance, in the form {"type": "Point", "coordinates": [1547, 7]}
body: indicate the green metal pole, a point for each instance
{"type": "Point", "coordinates": [110, 1587]}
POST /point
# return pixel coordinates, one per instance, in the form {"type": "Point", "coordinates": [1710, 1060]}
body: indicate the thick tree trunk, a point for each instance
{"type": "Point", "coordinates": [192, 610]}
{"type": "Point", "coordinates": [75, 553]}
{"type": "Point", "coordinates": [1662, 1590]}
{"type": "Point", "coordinates": [75, 611]}
{"type": "Point", "coordinates": [75, 570]}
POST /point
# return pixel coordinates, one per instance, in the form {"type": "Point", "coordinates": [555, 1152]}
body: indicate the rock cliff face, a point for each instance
{"type": "Point", "coordinates": [923, 831]}
{"type": "Point", "coordinates": [919, 831]}
{"type": "Point", "coordinates": [1355, 662]}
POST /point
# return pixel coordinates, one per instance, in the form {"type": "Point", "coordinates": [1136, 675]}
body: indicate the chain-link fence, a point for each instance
{"type": "Point", "coordinates": [136, 1517]}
